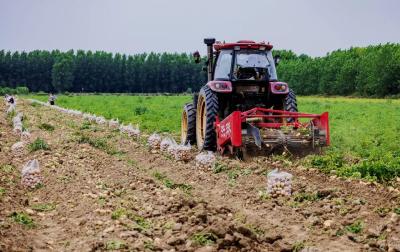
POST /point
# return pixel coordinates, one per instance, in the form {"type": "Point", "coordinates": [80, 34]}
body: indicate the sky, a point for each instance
{"type": "Point", "coordinates": [313, 27]}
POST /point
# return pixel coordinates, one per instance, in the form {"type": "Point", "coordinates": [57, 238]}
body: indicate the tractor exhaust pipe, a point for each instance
{"type": "Point", "coordinates": [209, 42]}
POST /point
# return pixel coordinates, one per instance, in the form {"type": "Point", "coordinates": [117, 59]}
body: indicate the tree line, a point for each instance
{"type": "Point", "coordinates": [360, 71]}
{"type": "Point", "coordinates": [372, 71]}
{"type": "Point", "coordinates": [87, 71]}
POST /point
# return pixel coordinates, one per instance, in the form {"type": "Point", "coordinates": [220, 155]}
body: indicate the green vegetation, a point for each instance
{"type": "Point", "coordinates": [365, 71]}
{"type": "Point", "coordinates": [46, 126]}
{"type": "Point", "coordinates": [162, 113]}
{"type": "Point", "coordinates": [99, 71]}
{"type": "Point", "coordinates": [115, 245]}
{"type": "Point", "coordinates": [365, 139]}
{"type": "Point", "coordinates": [298, 246]}
{"type": "Point", "coordinates": [140, 222]}
{"type": "Point", "coordinates": [355, 228]}
{"type": "Point", "coordinates": [368, 71]}
{"type": "Point", "coordinates": [38, 144]}
{"type": "Point", "coordinates": [23, 219]}
{"type": "Point", "coordinates": [171, 184]}
{"type": "Point", "coordinates": [2, 191]}
{"type": "Point", "coordinates": [17, 90]}
{"type": "Point", "coordinates": [302, 197]}
{"type": "Point", "coordinates": [96, 142]}
{"type": "Point", "coordinates": [44, 207]}
{"type": "Point", "coordinates": [203, 239]}
{"type": "Point", "coordinates": [7, 168]}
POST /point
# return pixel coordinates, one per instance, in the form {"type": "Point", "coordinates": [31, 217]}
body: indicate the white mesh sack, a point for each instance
{"type": "Point", "coordinates": [25, 136]}
{"type": "Point", "coordinates": [205, 160]}
{"type": "Point", "coordinates": [11, 108]}
{"type": "Point", "coordinates": [182, 152]}
{"type": "Point", "coordinates": [279, 183]}
{"type": "Point", "coordinates": [154, 141]}
{"type": "Point", "coordinates": [166, 142]}
{"type": "Point", "coordinates": [18, 148]}
{"type": "Point", "coordinates": [133, 131]}
{"type": "Point", "coordinates": [31, 175]}
{"type": "Point", "coordinates": [100, 120]}
{"type": "Point", "coordinates": [114, 124]}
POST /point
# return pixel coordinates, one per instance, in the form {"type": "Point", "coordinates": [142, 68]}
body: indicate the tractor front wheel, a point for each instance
{"type": "Point", "coordinates": [207, 111]}
{"type": "Point", "coordinates": [188, 124]}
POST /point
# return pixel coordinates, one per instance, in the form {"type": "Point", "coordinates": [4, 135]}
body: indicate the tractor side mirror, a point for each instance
{"type": "Point", "coordinates": [277, 59]}
{"type": "Point", "coordinates": [196, 56]}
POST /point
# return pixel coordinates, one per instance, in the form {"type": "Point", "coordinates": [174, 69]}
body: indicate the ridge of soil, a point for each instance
{"type": "Point", "coordinates": [112, 193]}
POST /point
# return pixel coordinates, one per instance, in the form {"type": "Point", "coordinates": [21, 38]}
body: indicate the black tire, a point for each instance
{"type": "Point", "coordinates": [207, 111]}
{"type": "Point", "coordinates": [188, 131]}
{"type": "Point", "coordinates": [290, 104]}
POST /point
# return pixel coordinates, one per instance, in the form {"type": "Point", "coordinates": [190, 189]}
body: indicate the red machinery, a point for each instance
{"type": "Point", "coordinates": [269, 130]}
{"type": "Point", "coordinates": [243, 104]}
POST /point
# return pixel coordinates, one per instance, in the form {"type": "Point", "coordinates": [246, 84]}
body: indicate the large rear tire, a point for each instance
{"type": "Point", "coordinates": [206, 113]}
{"type": "Point", "coordinates": [188, 124]}
{"type": "Point", "coordinates": [290, 104]}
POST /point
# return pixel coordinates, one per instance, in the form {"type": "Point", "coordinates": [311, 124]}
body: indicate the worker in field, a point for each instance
{"type": "Point", "coordinates": [10, 99]}
{"type": "Point", "coordinates": [52, 99]}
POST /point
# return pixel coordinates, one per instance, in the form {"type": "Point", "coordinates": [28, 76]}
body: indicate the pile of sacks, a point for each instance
{"type": "Point", "coordinates": [11, 108]}
{"type": "Point", "coordinates": [113, 124]}
{"type": "Point", "coordinates": [18, 148]}
{"type": "Point", "coordinates": [168, 145]}
{"type": "Point", "coordinates": [31, 175]}
{"type": "Point", "coordinates": [130, 130]}
{"type": "Point", "coordinates": [19, 129]}
{"type": "Point", "coordinates": [182, 152]}
{"type": "Point", "coordinates": [279, 183]}
{"type": "Point", "coordinates": [17, 123]}
{"type": "Point", "coordinates": [205, 160]}
{"type": "Point", "coordinates": [154, 141]}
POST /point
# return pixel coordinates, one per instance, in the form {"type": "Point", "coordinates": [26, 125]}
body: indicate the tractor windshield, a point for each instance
{"type": "Point", "coordinates": [254, 65]}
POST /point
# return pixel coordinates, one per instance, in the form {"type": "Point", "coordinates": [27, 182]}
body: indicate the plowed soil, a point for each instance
{"type": "Point", "coordinates": [109, 192]}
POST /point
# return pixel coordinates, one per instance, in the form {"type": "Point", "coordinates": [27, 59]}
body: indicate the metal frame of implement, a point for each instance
{"type": "Point", "coordinates": [230, 130]}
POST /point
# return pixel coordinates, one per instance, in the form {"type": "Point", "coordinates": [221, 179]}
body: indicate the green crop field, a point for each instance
{"type": "Point", "coordinates": [365, 133]}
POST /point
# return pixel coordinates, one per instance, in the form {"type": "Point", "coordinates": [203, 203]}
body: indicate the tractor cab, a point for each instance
{"type": "Point", "coordinates": [236, 64]}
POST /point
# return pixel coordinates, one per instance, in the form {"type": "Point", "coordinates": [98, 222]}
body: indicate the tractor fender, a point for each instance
{"type": "Point", "coordinates": [220, 86]}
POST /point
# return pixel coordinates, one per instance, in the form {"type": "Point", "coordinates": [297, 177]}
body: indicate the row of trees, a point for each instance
{"type": "Point", "coordinates": [368, 71]}
{"type": "Point", "coordinates": [99, 71]}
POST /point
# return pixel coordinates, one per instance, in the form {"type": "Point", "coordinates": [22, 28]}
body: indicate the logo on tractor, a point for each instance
{"type": "Point", "coordinates": [226, 129]}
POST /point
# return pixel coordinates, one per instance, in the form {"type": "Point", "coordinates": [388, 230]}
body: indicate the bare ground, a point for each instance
{"type": "Point", "coordinates": [112, 193]}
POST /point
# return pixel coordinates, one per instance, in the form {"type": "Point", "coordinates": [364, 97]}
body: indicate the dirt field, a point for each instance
{"type": "Point", "coordinates": [131, 199]}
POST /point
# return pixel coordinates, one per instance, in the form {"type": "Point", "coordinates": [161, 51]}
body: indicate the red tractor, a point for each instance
{"type": "Point", "coordinates": [244, 106]}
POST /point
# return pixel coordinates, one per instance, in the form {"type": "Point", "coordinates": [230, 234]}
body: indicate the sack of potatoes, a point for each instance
{"type": "Point", "coordinates": [205, 160]}
{"type": "Point", "coordinates": [25, 136]}
{"type": "Point", "coordinates": [114, 124]}
{"type": "Point", "coordinates": [182, 153]}
{"type": "Point", "coordinates": [166, 143]}
{"type": "Point", "coordinates": [31, 174]}
{"type": "Point", "coordinates": [279, 183]}
{"type": "Point", "coordinates": [154, 141]}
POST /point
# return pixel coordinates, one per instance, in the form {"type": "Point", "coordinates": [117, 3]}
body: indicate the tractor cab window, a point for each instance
{"type": "Point", "coordinates": [223, 67]}
{"type": "Point", "coordinates": [254, 65]}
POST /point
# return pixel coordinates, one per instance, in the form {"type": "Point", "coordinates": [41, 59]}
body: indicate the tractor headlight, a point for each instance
{"type": "Point", "coordinates": [220, 86]}
{"type": "Point", "coordinates": [279, 87]}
